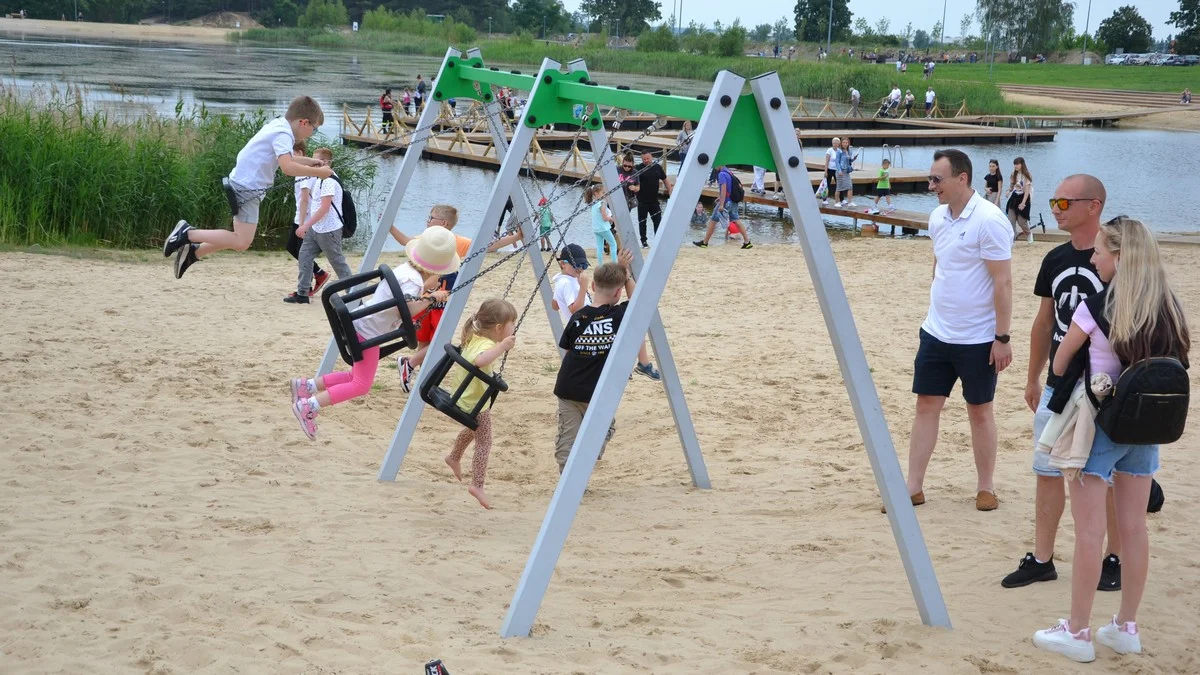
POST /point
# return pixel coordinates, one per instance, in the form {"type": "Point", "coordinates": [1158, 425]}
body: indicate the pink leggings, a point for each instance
{"type": "Point", "coordinates": [345, 385]}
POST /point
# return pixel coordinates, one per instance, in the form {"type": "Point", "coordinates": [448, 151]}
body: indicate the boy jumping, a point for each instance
{"type": "Point", "coordinates": [251, 177]}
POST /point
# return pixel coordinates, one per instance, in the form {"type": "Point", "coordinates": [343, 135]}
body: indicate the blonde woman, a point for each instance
{"type": "Point", "coordinates": [1020, 184]}
{"type": "Point", "coordinates": [1144, 319]}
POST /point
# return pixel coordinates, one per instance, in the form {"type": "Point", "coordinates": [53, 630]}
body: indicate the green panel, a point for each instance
{"type": "Point", "coordinates": [550, 106]}
{"type": "Point", "coordinates": [680, 107]}
{"type": "Point", "coordinates": [469, 79]}
{"type": "Point", "coordinates": [745, 141]}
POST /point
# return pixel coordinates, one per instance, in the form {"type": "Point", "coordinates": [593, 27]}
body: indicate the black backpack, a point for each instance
{"type": "Point", "coordinates": [736, 192]}
{"type": "Point", "coordinates": [1149, 401]}
{"type": "Point", "coordinates": [347, 214]}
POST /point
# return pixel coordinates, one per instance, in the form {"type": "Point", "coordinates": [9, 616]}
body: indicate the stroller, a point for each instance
{"type": "Point", "coordinates": [888, 108]}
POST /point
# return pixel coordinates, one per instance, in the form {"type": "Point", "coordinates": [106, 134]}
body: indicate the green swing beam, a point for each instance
{"type": "Point", "coordinates": [573, 99]}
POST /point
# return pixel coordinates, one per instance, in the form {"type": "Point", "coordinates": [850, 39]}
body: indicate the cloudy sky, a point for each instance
{"type": "Point", "coordinates": [922, 13]}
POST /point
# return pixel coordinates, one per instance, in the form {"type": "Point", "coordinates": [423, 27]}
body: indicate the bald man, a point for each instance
{"type": "Point", "coordinates": [1067, 277]}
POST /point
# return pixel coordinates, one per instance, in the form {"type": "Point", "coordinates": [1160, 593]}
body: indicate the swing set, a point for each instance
{"type": "Point", "coordinates": [755, 129]}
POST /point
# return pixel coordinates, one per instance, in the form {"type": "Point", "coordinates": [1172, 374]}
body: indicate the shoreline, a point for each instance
{"type": "Point", "coordinates": [124, 32]}
{"type": "Point", "coordinates": [1179, 120]}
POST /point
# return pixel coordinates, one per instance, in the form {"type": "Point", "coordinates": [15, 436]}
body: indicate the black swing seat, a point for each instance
{"type": "Point", "coordinates": [440, 399]}
{"type": "Point", "coordinates": [339, 295]}
{"type": "Point", "coordinates": [231, 195]}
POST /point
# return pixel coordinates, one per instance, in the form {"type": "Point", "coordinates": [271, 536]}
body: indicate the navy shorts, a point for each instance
{"type": "Point", "coordinates": [939, 365]}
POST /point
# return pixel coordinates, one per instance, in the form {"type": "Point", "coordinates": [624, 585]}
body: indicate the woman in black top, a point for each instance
{"type": "Point", "coordinates": [993, 180]}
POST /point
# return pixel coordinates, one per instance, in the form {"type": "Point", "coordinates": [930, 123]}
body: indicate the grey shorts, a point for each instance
{"type": "Point", "coordinates": [248, 201]}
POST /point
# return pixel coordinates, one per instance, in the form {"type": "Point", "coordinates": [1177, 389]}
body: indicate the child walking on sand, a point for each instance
{"type": "Point", "coordinates": [487, 335]}
{"type": "Point", "coordinates": [602, 223]}
{"type": "Point", "coordinates": [545, 225]}
{"type": "Point", "coordinates": [429, 257]}
{"type": "Point", "coordinates": [321, 231]}
{"type": "Point", "coordinates": [1136, 317]}
{"type": "Point", "coordinates": [303, 195]}
{"type": "Point", "coordinates": [251, 177]}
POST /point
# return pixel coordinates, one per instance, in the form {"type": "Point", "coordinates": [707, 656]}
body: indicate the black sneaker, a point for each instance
{"type": "Point", "coordinates": [297, 299]}
{"type": "Point", "coordinates": [701, 244]}
{"type": "Point", "coordinates": [1110, 573]}
{"type": "Point", "coordinates": [176, 239]}
{"type": "Point", "coordinates": [1030, 571]}
{"type": "Point", "coordinates": [184, 259]}
{"type": "Point", "coordinates": [747, 245]}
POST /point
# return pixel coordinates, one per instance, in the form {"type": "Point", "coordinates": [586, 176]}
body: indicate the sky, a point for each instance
{"type": "Point", "coordinates": [922, 13]}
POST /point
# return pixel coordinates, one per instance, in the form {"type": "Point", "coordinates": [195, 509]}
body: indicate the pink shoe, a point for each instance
{"type": "Point", "coordinates": [306, 415]}
{"type": "Point", "coordinates": [299, 389]}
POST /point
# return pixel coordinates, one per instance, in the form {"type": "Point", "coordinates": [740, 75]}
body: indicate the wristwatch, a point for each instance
{"type": "Point", "coordinates": [1002, 339]}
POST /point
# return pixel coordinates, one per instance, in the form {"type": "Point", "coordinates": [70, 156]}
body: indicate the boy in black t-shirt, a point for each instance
{"type": "Point", "coordinates": [588, 338]}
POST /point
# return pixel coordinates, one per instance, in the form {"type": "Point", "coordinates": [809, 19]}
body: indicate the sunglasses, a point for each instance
{"type": "Point", "coordinates": [1062, 203]}
{"type": "Point", "coordinates": [935, 180]}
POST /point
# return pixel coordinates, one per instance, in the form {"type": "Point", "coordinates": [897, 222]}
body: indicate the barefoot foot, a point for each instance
{"type": "Point", "coordinates": [477, 493]}
{"type": "Point", "coordinates": [455, 466]}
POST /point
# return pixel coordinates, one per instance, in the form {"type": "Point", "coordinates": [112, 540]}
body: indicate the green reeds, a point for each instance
{"type": "Point", "coordinates": [79, 176]}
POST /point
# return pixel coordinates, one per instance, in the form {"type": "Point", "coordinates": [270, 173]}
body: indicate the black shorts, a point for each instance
{"type": "Point", "coordinates": [882, 192]}
{"type": "Point", "coordinates": [939, 365]}
{"type": "Point", "coordinates": [830, 180]}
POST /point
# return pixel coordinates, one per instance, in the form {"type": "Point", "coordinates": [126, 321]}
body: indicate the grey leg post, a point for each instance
{"type": "Point", "coordinates": [503, 186]}
{"type": "Point", "coordinates": [567, 496]}
{"type": "Point", "coordinates": [835, 307]}
{"type": "Point", "coordinates": [412, 157]}
{"type": "Point", "coordinates": [658, 334]}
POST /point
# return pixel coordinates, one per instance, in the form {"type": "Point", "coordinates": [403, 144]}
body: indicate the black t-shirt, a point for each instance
{"type": "Point", "coordinates": [650, 181]}
{"type": "Point", "coordinates": [588, 338]}
{"type": "Point", "coordinates": [1068, 278]}
{"type": "Point", "coordinates": [993, 181]}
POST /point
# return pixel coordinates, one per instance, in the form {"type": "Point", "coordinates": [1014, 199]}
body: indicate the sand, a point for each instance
{"type": "Point", "coordinates": [115, 31]}
{"type": "Point", "coordinates": [1180, 120]}
{"type": "Point", "coordinates": [162, 513]}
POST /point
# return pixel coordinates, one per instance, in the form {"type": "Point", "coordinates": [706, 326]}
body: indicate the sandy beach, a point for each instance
{"type": "Point", "coordinates": [162, 512]}
{"type": "Point", "coordinates": [1179, 120]}
{"type": "Point", "coordinates": [114, 31]}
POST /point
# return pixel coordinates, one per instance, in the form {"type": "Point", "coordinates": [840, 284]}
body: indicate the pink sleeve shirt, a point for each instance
{"type": "Point", "coordinates": [1101, 354]}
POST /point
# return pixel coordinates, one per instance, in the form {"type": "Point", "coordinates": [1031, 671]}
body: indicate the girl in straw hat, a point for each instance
{"type": "Point", "coordinates": [430, 256]}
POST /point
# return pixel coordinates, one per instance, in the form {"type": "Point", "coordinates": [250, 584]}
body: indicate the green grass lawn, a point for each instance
{"type": "Point", "coordinates": [1142, 78]}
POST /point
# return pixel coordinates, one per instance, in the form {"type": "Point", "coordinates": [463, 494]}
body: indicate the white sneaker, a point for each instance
{"type": "Point", "coordinates": [1076, 646]}
{"type": "Point", "coordinates": [1031, 236]}
{"type": "Point", "coordinates": [824, 202]}
{"type": "Point", "coordinates": [1122, 639]}
{"type": "Point", "coordinates": [873, 212]}
{"type": "Point", "coordinates": [852, 205]}
{"type": "Point", "coordinates": [841, 204]}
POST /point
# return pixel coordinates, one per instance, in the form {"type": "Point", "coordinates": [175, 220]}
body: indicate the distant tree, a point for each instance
{"type": "Point", "coordinates": [1126, 28]}
{"type": "Point", "coordinates": [1030, 26]}
{"type": "Point", "coordinates": [882, 26]}
{"type": "Point", "coordinates": [281, 13]}
{"type": "Point", "coordinates": [632, 16]}
{"type": "Point", "coordinates": [661, 39]}
{"type": "Point", "coordinates": [861, 27]}
{"type": "Point", "coordinates": [1187, 20]}
{"type": "Point", "coordinates": [964, 27]}
{"type": "Point", "coordinates": [530, 14]}
{"type": "Point", "coordinates": [783, 31]}
{"type": "Point", "coordinates": [324, 14]}
{"type": "Point", "coordinates": [908, 32]}
{"type": "Point", "coordinates": [936, 33]}
{"type": "Point", "coordinates": [733, 41]}
{"type": "Point", "coordinates": [717, 28]}
{"type": "Point", "coordinates": [812, 20]}
{"type": "Point", "coordinates": [921, 39]}
{"type": "Point", "coordinates": [761, 32]}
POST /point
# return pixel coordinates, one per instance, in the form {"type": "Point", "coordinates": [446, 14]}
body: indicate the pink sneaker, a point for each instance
{"type": "Point", "coordinates": [306, 415]}
{"type": "Point", "coordinates": [300, 389]}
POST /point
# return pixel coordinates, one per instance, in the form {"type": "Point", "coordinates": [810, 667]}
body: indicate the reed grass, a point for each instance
{"type": "Point", "coordinates": [807, 79]}
{"type": "Point", "coordinates": [78, 176]}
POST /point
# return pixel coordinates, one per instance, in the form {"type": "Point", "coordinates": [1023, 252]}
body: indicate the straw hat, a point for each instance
{"type": "Point", "coordinates": [434, 251]}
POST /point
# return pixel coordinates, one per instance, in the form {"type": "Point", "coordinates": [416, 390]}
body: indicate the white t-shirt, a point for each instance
{"type": "Point", "coordinates": [899, 65]}
{"type": "Point", "coordinates": [256, 163]}
{"type": "Point", "coordinates": [896, 95]}
{"type": "Point", "coordinates": [831, 159]}
{"type": "Point", "coordinates": [854, 95]}
{"type": "Point", "coordinates": [320, 188]}
{"type": "Point", "coordinates": [961, 308]}
{"type": "Point", "coordinates": [929, 96]}
{"type": "Point", "coordinates": [301, 184]}
{"type": "Point", "coordinates": [566, 291]}
{"type": "Point", "coordinates": [386, 321]}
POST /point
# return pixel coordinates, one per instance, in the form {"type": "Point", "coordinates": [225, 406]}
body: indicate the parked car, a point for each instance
{"type": "Point", "coordinates": [1114, 59]}
{"type": "Point", "coordinates": [1191, 59]}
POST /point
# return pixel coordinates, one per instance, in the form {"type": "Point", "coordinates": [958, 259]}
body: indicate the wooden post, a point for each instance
{"type": "Point", "coordinates": [828, 107]}
{"type": "Point", "coordinates": [800, 108]}
{"type": "Point", "coordinates": [962, 109]}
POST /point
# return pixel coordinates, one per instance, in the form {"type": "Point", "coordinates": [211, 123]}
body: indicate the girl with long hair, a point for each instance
{"type": "Point", "coordinates": [1020, 185]}
{"type": "Point", "coordinates": [1144, 320]}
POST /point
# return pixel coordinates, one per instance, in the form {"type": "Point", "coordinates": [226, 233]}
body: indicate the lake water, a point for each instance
{"type": "Point", "coordinates": [1151, 175]}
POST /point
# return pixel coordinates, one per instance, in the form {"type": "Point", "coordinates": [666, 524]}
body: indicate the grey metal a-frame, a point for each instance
{"type": "Point", "coordinates": [506, 184]}
{"type": "Point", "coordinates": [835, 308]}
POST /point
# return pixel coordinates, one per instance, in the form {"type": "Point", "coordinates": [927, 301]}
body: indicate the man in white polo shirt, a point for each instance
{"type": "Point", "coordinates": [965, 335]}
